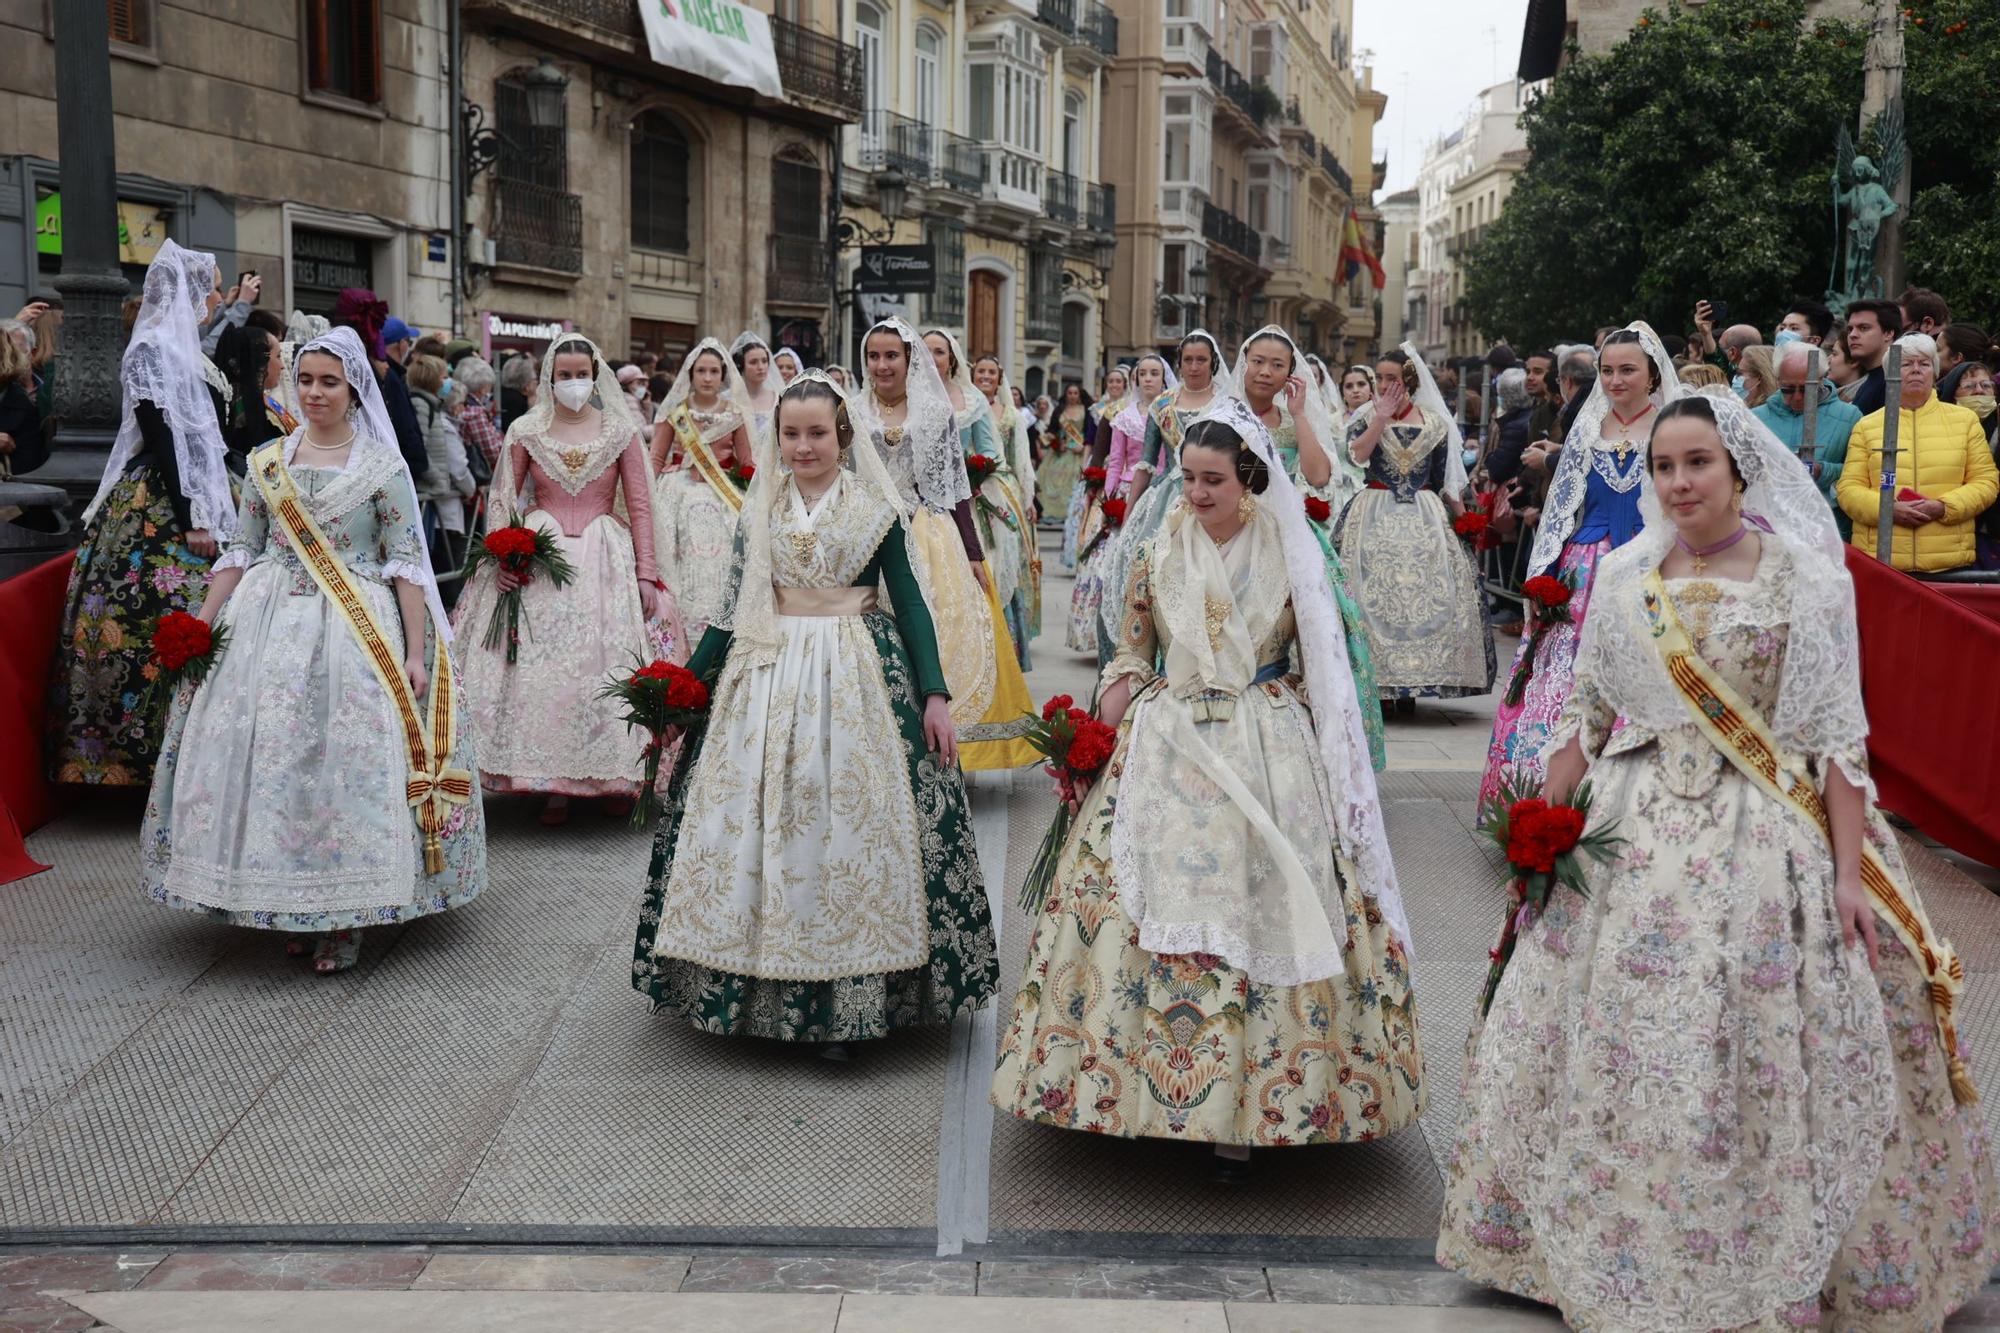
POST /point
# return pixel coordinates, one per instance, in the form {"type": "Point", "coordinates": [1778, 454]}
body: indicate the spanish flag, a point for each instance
{"type": "Point", "coordinates": [1354, 253]}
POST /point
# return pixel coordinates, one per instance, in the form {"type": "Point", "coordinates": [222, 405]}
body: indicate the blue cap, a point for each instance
{"type": "Point", "coordinates": [395, 331]}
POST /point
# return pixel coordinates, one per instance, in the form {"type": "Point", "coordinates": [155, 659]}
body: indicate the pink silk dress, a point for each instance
{"type": "Point", "coordinates": [540, 722]}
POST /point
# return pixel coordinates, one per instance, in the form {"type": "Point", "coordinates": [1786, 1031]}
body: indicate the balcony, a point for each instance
{"type": "Point", "coordinates": [1045, 318]}
{"type": "Point", "coordinates": [1100, 212]}
{"type": "Point", "coordinates": [957, 162]}
{"type": "Point", "coordinates": [1011, 179]}
{"type": "Point", "coordinates": [812, 65]}
{"type": "Point", "coordinates": [1099, 28]}
{"type": "Point", "coordinates": [1246, 105]}
{"type": "Point", "coordinates": [890, 140]}
{"type": "Point", "coordinates": [1332, 166]}
{"type": "Point", "coordinates": [536, 226]}
{"type": "Point", "coordinates": [800, 271]}
{"type": "Point", "coordinates": [1226, 229]}
{"type": "Point", "coordinates": [1062, 197]}
{"type": "Point", "coordinates": [1058, 14]}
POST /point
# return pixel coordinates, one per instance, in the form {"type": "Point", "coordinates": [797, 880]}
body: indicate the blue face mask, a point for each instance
{"type": "Point", "coordinates": [445, 392]}
{"type": "Point", "coordinates": [1470, 456]}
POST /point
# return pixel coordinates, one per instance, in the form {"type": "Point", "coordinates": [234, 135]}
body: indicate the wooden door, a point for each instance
{"type": "Point", "coordinates": [982, 322]}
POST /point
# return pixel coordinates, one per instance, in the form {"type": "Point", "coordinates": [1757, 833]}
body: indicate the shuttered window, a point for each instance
{"type": "Point", "coordinates": [344, 48]}
{"type": "Point", "coordinates": [131, 21]}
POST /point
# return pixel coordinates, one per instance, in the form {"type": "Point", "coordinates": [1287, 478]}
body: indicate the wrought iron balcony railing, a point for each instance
{"type": "Point", "coordinates": [1225, 228]}
{"type": "Point", "coordinates": [1335, 170]}
{"type": "Point", "coordinates": [956, 162]}
{"type": "Point", "coordinates": [814, 65]}
{"type": "Point", "coordinates": [1101, 207]}
{"type": "Point", "coordinates": [1058, 14]}
{"type": "Point", "coordinates": [1097, 25]}
{"type": "Point", "coordinates": [890, 140]}
{"type": "Point", "coordinates": [1061, 197]}
{"type": "Point", "coordinates": [800, 272]}
{"type": "Point", "coordinates": [538, 226]}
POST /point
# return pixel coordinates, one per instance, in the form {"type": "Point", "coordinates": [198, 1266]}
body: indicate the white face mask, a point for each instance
{"type": "Point", "coordinates": [574, 394]}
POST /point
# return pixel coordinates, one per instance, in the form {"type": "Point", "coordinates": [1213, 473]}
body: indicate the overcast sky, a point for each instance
{"type": "Point", "coordinates": [1432, 57]}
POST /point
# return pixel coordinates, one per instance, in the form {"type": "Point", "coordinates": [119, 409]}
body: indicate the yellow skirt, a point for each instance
{"type": "Point", "coordinates": [958, 611]}
{"type": "Point", "coordinates": [1011, 705]}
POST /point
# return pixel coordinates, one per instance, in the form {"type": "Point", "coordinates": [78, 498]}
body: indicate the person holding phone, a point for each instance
{"type": "Point", "coordinates": [237, 303]}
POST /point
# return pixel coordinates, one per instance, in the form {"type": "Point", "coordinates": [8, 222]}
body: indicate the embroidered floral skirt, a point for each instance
{"type": "Point", "coordinates": [131, 570]}
{"type": "Point", "coordinates": [1418, 590]}
{"type": "Point", "coordinates": [1058, 492]}
{"type": "Point", "coordinates": [1109, 1038]}
{"type": "Point", "coordinates": [1521, 731]}
{"type": "Point", "coordinates": [1691, 1108]}
{"type": "Point", "coordinates": [962, 969]}
{"type": "Point", "coordinates": [1086, 600]}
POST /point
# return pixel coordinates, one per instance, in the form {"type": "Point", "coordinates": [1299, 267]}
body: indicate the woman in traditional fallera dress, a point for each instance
{"type": "Point", "coordinates": [788, 365]}
{"type": "Point", "coordinates": [1126, 422]}
{"type": "Point", "coordinates": [998, 739]}
{"type": "Point", "coordinates": [1223, 955]}
{"type": "Point", "coordinates": [1721, 1090]}
{"type": "Point", "coordinates": [1086, 502]}
{"type": "Point", "coordinates": [814, 878]}
{"type": "Point", "coordinates": [1415, 579]}
{"type": "Point", "coordinates": [751, 356]}
{"type": "Point", "coordinates": [907, 416]}
{"type": "Point", "coordinates": [149, 536]}
{"type": "Point", "coordinates": [695, 504]}
{"type": "Point", "coordinates": [1154, 484]}
{"type": "Point", "coordinates": [1592, 509]}
{"type": "Point", "coordinates": [541, 723]}
{"type": "Point", "coordinates": [321, 778]}
{"type": "Point", "coordinates": [1267, 381]}
{"type": "Point", "coordinates": [1016, 491]}
{"type": "Point", "coordinates": [1065, 441]}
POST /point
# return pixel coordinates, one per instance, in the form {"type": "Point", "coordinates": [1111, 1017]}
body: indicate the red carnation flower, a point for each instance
{"type": "Point", "coordinates": [1547, 589]}
{"type": "Point", "coordinates": [686, 692]}
{"type": "Point", "coordinates": [1058, 704]}
{"type": "Point", "coordinates": [1091, 748]}
{"type": "Point", "coordinates": [1114, 512]}
{"type": "Point", "coordinates": [179, 639]}
{"type": "Point", "coordinates": [1471, 523]}
{"type": "Point", "coordinates": [1318, 510]}
{"type": "Point", "coordinates": [746, 471]}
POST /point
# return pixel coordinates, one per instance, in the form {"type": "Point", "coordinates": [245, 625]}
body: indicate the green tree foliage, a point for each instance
{"type": "Point", "coordinates": [1952, 240]}
{"type": "Point", "coordinates": [1691, 161]}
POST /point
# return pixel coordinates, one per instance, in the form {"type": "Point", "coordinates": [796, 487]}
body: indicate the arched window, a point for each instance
{"type": "Point", "coordinates": [930, 75]}
{"type": "Point", "coordinates": [662, 184]}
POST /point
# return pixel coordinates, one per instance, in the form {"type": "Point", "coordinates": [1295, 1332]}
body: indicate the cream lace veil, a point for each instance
{"type": "Point", "coordinates": [1564, 506]}
{"type": "Point", "coordinates": [1432, 401]}
{"type": "Point", "coordinates": [936, 460]}
{"type": "Point", "coordinates": [1314, 405]}
{"type": "Point", "coordinates": [1131, 418]}
{"type": "Point", "coordinates": [734, 392]}
{"type": "Point", "coordinates": [163, 365]}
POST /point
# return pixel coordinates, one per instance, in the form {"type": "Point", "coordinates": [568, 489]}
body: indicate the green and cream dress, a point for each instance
{"type": "Point", "coordinates": [814, 878]}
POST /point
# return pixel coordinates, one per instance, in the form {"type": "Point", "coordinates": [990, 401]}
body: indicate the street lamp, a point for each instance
{"type": "Point", "coordinates": [1197, 279]}
{"type": "Point", "coordinates": [892, 192]}
{"type": "Point", "coordinates": [547, 87]}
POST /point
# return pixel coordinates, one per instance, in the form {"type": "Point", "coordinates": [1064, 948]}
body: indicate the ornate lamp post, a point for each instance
{"type": "Point", "coordinates": [93, 287]}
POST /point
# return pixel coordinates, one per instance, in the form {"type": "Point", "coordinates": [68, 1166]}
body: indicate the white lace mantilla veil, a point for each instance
{"type": "Point", "coordinates": [1223, 382]}
{"type": "Point", "coordinates": [617, 426]}
{"type": "Point", "coordinates": [1132, 418]}
{"type": "Point", "coordinates": [1564, 505]}
{"type": "Point", "coordinates": [936, 460]}
{"type": "Point", "coordinates": [375, 453]}
{"type": "Point", "coordinates": [1314, 406]}
{"type": "Point", "coordinates": [797, 360]}
{"type": "Point", "coordinates": [976, 405]}
{"type": "Point", "coordinates": [751, 617]}
{"type": "Point", "coordinates": [734, 390]}
{"type": "Point", "coordinates": [163, 365]}
{"type": "Point", "coordinates": [1336, 712]}
{"type": "Point", "coordinates": [1819, 714]}
{"type": "Point", "coordinates": [1020, 452]}
{"type": "Point", "coordinates": [1427, 397]}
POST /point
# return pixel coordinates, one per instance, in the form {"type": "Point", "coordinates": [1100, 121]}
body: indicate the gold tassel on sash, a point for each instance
{"type": "Point", "coordinates": [1734, 726]}
{"type": "Point", "coordinates": [432, 788]}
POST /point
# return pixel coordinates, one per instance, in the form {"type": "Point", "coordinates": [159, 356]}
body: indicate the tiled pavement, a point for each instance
{"type": "Point", "coordinates": [490, 1079]}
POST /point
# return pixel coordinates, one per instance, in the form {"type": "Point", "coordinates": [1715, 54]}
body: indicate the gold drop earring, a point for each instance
{"type": "Point", "coordinates": [1736, 500]}
{"type": "Point", "coordinates": [1246, 507]}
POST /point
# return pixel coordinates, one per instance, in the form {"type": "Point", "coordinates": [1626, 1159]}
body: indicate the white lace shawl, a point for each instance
{"type": "Point", "coordinates": [1563, 508]}
{"type": "Point", "coordinates": [936, 461]}
{"type": "Point", "coordinates": [164, 366]}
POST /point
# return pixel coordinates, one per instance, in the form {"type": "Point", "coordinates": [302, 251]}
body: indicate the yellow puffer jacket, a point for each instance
{"type": "Point", "coordinates": [1941, 454]}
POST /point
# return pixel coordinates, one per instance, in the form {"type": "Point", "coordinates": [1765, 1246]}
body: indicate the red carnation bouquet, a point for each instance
{"type": "Point", "coordinates": [1551, 596]}
{"type": "Point", "coordinates": [742, 474]}
{"type": "Point", "coordinates": [1114, 513]}
{"type": "Point", "coordinates": [525, 553]}
{"type": "Point", "coordinates": [1077, 747]}
{"type": "Point", "coordinates": [1093, 478]}
{"type": "Point", "coordinates": [1473, 526]}
{"type": "Point", "coordinates": [978, 467]}
{"type": "Point", "coordinates": [1318, 510]}
{"type": "Point", "coordinates": [1545, 846]}
{"type": "Point", "coordinates": [657, 696]}
{"type": "Point", "coordinates": [185, 647]}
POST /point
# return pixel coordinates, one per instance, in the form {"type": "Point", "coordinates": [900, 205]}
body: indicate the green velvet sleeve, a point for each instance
{"type": "Point", "coordinates": [982, 440]}
{"type": "Point", "coordinates": [710, 653]}
{"type": "Point", "coordinates": [892, 559]}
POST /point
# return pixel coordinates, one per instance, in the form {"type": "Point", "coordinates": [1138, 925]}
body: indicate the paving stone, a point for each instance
{"type": "Point", "coordinates": [287, 1270]}
{"type": "Point", "coordinates": [837, 1275]}
{"type": "Point", "coordinates": [1052, 1279]}
{"type": "Point", "coordinates": [509, 1271]}
{"type": "Point", "coordinates": [1001, 1314]}
{"type": "Point", "coordinates": [460, 1312]}
{"type": "Point", "coordinates": [1369, 1285]}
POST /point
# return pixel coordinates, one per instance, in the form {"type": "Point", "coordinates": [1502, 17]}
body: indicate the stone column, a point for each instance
{"type": "Point", "coordinates": [1882, 93]}
{"type": "Point", "coordinates": [91, 283]}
